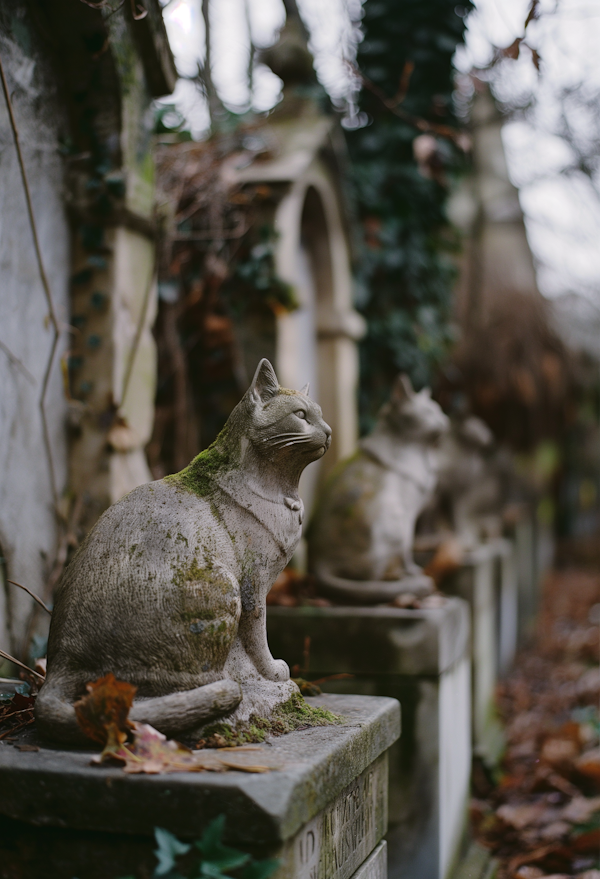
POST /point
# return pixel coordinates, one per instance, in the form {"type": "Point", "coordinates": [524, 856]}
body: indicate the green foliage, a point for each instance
{"type": "Point", "coordinates": [208, 858]}
{"type": "Point", "coordinates": [255, 277]}
{"type": "Point", "coordinates": [405, 268]}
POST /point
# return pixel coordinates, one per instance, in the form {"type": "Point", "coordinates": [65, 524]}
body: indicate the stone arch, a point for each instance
{"type": "Point", "coordinates": [317, 343]}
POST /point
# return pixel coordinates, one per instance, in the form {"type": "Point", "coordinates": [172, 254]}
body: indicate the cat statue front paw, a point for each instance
{"type": "Point", "coordinates": [277, 670]}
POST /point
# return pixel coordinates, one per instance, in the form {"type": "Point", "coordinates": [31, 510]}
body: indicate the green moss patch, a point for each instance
{"type": "Point", "coordinates": [200, 474]}
{"type": "Point", "coordinates": [294, 714]}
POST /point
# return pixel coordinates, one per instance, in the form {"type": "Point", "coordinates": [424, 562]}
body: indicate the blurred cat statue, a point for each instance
{"type": "Point", "coordinates": [468, 497]}
{"type": "Point", "coordinates": [360, 538]}
{"type": "Point", "coordinates": [168, 590]}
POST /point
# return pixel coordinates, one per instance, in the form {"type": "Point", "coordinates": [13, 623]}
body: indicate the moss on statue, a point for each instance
{"type": "Point", "coordinates": [200, 473]}
{"type": "Point", "coordinates": [294, 714]}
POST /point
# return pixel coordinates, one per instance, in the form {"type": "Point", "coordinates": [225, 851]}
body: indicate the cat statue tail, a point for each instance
{"type": "Point", "coordinates": [171, 715]}
{"type": "Point", "coordinates": [370, 591]}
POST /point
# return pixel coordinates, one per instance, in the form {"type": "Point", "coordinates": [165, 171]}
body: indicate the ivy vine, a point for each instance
{"type": "Point", "coordinates": [404, 157]}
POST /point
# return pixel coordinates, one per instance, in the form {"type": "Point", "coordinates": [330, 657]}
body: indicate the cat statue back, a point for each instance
{"type": "Point", "coordinates": [360, 538]}
{"type": "Point", "coordinates": [168, 590]}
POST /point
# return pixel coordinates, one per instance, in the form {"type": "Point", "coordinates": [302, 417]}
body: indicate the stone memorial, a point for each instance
{"type": "Point", "coordinates": [361, 536]}
{"type": "Point", "coordinates": [320, 808]}
{"type": "Point", "coordinates": [422, 658]}
{"type": "Point", "coordinates": [167, 592]}
{"type": "Point", "coordinates": [486, 580]}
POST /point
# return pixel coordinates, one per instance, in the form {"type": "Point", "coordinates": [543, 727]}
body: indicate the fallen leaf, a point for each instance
{"type": "Point", "coordinates": [559, 752]}
{"type": "Point", "coordinates": [528, 872]}
{"type": "Point", "coordinates": [581, 809]}
{"type": "Point", "coordinates": [103, 713]}
{"type": "Point", "coordinates": [151, 753]}
{"type": "Point", "coordinates": [27, 747]}
{"type": "Point", "coordinates": [589, 764]}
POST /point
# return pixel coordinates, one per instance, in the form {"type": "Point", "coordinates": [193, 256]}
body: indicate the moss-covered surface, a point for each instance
{"type": "Point", "coordinates": [294, 714]}
{"type": "Point", "coordinates": [199, 475]}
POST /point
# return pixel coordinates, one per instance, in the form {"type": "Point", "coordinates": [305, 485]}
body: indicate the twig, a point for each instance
{"type": "Point", "coordinates": [18, 363]}
{"type": "Point", "coordinates": [21, 665]}
{"type": "Point", "coordinates": [33, 595]}
{"type": "Point", "coordinates": [392, 105]}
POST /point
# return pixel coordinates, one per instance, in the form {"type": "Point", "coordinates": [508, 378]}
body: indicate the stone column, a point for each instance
{"type": "Point", "coordinates": [421, 658]}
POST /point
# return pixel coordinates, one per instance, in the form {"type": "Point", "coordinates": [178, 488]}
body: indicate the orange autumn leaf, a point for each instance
{"type": "Point", "coordinates": [103, 713]}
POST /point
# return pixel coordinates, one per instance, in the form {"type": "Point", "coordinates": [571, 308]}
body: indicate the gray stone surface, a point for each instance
{"type": "Point", "coordinates": [27, 522]}
{"type": "Point", "coordinates": [421, 658]}
{"type": "Point", "coordinates": [477, 581]}
{"type": "Point", "coordinates": [312, 768]}
{"type": "Point", "coordinates": [372, 640]}
{"type": "Point", "coordinates": [375, 867]}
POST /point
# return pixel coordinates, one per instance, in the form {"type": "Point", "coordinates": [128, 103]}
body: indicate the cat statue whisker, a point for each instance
{"type": "Point", "coordinates": [361, 535]}
{"type": "Point", "coordinates": [168, 590]}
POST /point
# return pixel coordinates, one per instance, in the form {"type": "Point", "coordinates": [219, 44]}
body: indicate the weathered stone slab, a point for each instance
{"type": "Point", "coordinates": [420, 658]}
{"type": "Point", "coordinates": [375, 867]}
{"type": "Point", "coordinates": [322, 810]}
{"type": "Point", "coordinates": [477, 582]}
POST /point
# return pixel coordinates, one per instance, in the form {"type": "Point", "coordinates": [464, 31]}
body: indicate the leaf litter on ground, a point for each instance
{"type": "Point", "coordinates": [540, 813]}
{"type": "Point", "coordinates": [103, 715]}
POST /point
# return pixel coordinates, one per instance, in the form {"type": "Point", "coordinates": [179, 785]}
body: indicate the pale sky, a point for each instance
{"type": "Point", "coordinates": [562, 215]}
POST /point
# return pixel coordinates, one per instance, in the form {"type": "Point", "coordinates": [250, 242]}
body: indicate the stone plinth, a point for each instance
{"type": "Point", "coordinates": [322, 810]}
{"type": "Point", "coordinates": [486, 579]}
{"type": "Point", "coordinates": [421, 658]}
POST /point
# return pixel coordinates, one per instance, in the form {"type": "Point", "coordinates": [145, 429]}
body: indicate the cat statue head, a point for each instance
{"type": "Point", "coordinates": [413, 415]}
{"type": "Point", "coordinates": [281, 423]}
{"type": "Point", "coordinates": [272, 435]}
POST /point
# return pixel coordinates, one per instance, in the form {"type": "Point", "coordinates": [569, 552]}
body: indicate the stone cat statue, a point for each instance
{"type": "Point", "coordinates": [468, 498]}
{"type": "Point", "coordinates": [360, 538]}
{"type": "Point", "coordinates": [168, 590]}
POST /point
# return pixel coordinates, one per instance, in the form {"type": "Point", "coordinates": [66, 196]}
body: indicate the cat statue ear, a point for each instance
{"type": "Point", "coordinates": [402, 389]}
{"type": "Point", "coordinates": [264, 384]}
{"type": "Point", "coordinates": [306, 389]}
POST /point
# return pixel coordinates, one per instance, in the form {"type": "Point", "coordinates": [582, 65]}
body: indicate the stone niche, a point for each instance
{"type": "Point", "coordinates": [322, 810]}
{"type": "Point", "coordinates": [421, 658]}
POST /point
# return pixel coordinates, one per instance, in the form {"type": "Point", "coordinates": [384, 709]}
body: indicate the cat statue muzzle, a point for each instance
{"type": "Point", "coordinates": [361, 536]}
{"type": "Point", "coordinates": [168, 590]}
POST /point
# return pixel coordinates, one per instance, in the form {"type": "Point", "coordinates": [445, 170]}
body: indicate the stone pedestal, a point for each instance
{"type": "Point", "coordinates": [486, 580]}
{"type": "Point", "coordinates": [421, 658]}
{"type": "Point", "coordinates": [322, 810]}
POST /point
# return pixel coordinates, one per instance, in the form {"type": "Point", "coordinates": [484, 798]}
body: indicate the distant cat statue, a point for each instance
{"type": "Point", "coordinates": [168, 589]}
{"type": "Point", "coordinates": [360, 538]}
{"type": "Point", "coordinates": [469, 491]}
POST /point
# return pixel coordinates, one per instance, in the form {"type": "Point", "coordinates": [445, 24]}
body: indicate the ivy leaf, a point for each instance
{"type": "Point", "coordinates": [216, 857]}
{"type": "Point", "coordinates": [169, 848]}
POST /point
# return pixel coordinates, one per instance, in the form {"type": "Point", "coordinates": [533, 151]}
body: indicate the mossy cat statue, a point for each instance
{"type": "Point", "coordinates": [168, 589]}
{"type": "Point", "coordinates": [361, 536]}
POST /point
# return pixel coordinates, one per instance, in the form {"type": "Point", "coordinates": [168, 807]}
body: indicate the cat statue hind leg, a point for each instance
{"type": "Point", "coordinates": [168, 590]}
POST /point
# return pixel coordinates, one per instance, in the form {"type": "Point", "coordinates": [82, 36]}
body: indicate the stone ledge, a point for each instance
{"type": "Point", "coordinates": [373, 640]}
{"type": "Point", "coordinates": [56, 787]}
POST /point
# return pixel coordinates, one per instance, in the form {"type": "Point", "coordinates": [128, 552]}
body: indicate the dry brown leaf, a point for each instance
{"type": "Point", "coordinates": [559, 752]}
{"type": "Point", "coordinates": [589, 764]}
{"type": "Point", "coordinates": [151, 753]}
{"type": "Point", "coordinates": [103, 713]}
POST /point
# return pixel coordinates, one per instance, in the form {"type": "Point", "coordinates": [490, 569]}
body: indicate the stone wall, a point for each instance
{"type": "Point", "coordinates": [28, 526]}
